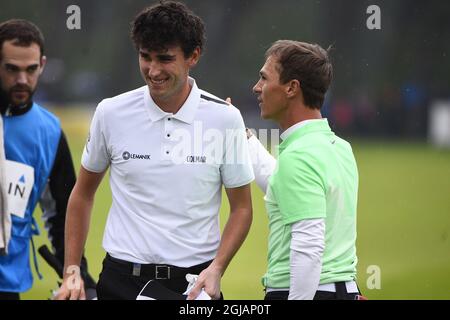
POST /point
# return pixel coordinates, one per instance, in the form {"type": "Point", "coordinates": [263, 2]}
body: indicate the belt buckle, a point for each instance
{"type": "Point", "coordinates": [164, 270]}
{"type": "Point", "coordinates": [136, 269]}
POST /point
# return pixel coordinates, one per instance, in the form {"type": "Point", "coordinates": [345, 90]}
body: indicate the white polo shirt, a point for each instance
{"type": "Point", "coordinates": [166, 174]}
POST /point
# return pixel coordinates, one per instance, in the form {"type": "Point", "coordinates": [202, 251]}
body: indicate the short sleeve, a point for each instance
{"type": "Point", "coordinates": [299, 188]}
{"type": "Point", "coordinates": [95, 155]}
{"type": "Point", "coordinates": [236, 169]}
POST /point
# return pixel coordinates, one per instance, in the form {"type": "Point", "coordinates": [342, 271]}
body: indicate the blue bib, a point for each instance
{"type": "Point", "coordinates": [31, 142]}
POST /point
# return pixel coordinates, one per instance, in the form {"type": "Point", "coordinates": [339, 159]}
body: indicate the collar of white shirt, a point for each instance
{"type": "Point", "coordinates": [187, 110]}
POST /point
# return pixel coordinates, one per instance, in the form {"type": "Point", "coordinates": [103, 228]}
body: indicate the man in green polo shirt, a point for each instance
{"type": "Point", "coordinates": [311, 197]}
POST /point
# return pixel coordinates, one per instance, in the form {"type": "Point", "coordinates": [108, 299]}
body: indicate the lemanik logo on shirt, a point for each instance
{"type": "Point", "coordinates": [19, 183]}
{"type": "Point", "coordinates": [127, 156]}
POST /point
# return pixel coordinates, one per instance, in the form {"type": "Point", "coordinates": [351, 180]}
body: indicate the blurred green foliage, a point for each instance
{"type": "Point", "coordinates": [99, 60]}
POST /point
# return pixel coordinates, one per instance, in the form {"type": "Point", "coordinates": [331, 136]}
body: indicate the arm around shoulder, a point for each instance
{"type": "Point", "coordinates": [262, 161]}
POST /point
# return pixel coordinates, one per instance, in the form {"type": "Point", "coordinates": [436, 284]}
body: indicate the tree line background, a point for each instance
{"type": "Point", "coordinates": [385, 80]}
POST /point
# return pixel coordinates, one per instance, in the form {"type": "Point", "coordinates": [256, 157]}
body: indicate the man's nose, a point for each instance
{"type": "Point", "coordinates": [22, 78]}
{"type": "Point", "coordinates": [154, 69]}
{"type": "Point", "coordinates": [256, 88]}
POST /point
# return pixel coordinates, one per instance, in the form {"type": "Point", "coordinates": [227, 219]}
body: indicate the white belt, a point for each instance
{"type": "Point", "coordinates": [328, 287]}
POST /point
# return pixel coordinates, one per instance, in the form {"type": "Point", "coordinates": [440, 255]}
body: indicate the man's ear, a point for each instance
{"type": "Point", "coordinates": [195, 56]}
{"type": "Point", "coordinates": [43, 62]}
{"type": "Point", "coordinates": [293, 88]}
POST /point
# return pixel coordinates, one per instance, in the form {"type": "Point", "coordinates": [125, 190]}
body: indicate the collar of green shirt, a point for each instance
{"type": "Point", "coordinates": [312, 127]}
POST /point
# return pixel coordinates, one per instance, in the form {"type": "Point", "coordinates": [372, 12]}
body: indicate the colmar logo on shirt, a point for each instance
{"type": "Point", "coordinates": [196, 159]}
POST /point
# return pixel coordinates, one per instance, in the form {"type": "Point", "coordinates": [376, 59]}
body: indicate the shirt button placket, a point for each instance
{"type": "Point", "coordinates": [167, 148]}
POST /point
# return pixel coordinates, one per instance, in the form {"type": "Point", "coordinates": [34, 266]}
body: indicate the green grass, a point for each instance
{"type": "Point", "coordinates": [403, 224]}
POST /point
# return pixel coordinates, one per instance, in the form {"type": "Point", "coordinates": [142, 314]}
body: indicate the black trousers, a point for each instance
{"type": "Point", "coordinates": [340, 294]}
{"type": "Point", "coordinates": [9, 296]}
{"type": "Point", "coordinates": [122, 280]}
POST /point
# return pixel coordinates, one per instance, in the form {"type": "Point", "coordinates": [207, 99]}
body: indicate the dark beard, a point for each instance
{"type": "Point", "coordinates": [5, 101]}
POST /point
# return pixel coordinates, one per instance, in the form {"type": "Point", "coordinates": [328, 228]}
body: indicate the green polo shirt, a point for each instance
{"type": "Point", "coordinates": [316, 177]}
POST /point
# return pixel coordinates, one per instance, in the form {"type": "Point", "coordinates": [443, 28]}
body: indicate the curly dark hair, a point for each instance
{"type": "Point", "coordinates": [23, 32]}
{"type": "Point", "coordinates": [167, 24]}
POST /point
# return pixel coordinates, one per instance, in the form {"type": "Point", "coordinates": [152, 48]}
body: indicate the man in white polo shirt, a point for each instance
{"type": "Point", "coordinates": [311, 196]}
{"type": "Point", "coordinates": [170, 147]}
